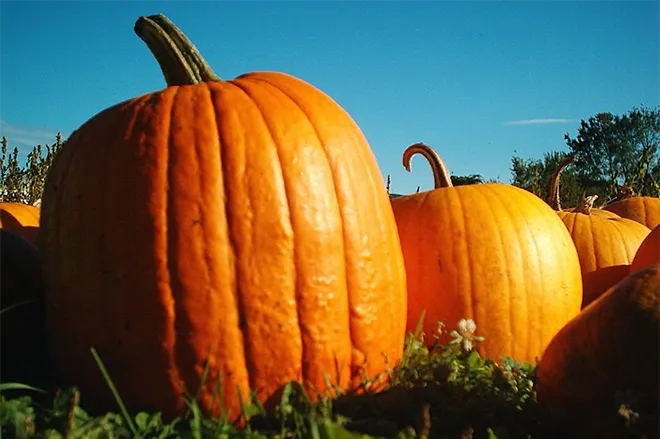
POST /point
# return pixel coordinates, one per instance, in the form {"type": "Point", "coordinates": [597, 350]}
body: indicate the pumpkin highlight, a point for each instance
{"type": "Point", "coordinates": [648, 252]}
{"type": "Point", "coordinates": [22, 219]}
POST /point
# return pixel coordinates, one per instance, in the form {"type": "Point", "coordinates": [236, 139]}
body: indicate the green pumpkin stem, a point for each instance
{"type": "Point", "coordinates": [441, 177]}
{"type": "Point", "coordinates": [179, 59]}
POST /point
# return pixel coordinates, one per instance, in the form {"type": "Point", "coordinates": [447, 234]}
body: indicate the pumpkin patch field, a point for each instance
{"type": "Point", "coordinates": [250, 276]}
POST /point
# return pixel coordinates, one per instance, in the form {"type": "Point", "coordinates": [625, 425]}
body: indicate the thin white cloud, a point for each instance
{"type": "Point", "coordinates": [25, 137]}
{"type": "Point", "coordinates": [539, 121]}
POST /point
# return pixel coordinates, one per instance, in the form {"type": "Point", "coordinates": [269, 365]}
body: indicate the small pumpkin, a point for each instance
{"type": "Point", "coordinates": [23, 339]}
{"type": "Point", "coordinates": [490, 252]}
{"type": "Point", "coordinates": [605, 242]}
{"type": "Point", "coordinates": [610, 347]}
{"type": "Point", "coordinates": [254, 232]}
{"type": "Point", "coordinates": [644, 210]}
{"type": "Point", "coordinates": [21, 218]}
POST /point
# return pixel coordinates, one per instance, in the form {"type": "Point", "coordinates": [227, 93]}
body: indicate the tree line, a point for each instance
{"type": "Point", "coordinates": [25, 183]}
{"type": "Point", "coordinates": [611, 152]}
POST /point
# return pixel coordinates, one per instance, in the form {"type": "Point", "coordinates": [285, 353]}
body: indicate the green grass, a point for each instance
{"type": "Point", "coordinates": [439, 392]}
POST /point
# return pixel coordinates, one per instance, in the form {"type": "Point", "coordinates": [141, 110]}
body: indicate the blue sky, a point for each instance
{"type": "Point", "coordinates": [478, 81]}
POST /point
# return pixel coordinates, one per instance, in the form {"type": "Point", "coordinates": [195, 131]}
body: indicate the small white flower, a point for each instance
{"type": "Point", "coordinates": [466, 327]}
{"type": "Point", "coordinates": [465, 335]}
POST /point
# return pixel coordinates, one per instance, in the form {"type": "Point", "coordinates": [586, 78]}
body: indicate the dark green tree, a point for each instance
{"type": "Point", "coordinates": [613, 151]}
{"type": "Point", "coordinates": [456, 180]}
{"type": "Point", "coordinates": [535, 176]}
{"type": "Point", "coordinates": [461, 180]}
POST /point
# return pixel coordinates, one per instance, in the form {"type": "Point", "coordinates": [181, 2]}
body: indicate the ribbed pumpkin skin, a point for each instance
{"type": "Point", "coordinates": [606, 245]}
{"type": "Point", "coordinates": [494, 253]}
{"type": "Point", "coordinates": [22, 219]}
{"type": "Point", "coordinates": [612, 345]}
{"type": "Point", "coordinates": [247, 217]}
{"type": "Point", "coordinates": [644, 210]}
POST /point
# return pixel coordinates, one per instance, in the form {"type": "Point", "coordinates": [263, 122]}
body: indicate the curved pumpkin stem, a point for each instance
{"type": "Point", "coordinates": [624, 193]}
{"type": "Point", "coordinates": [553, 197]}
{"type": "Point", "coordinates": [586, 204]}
{"type": "Point", "coordinates": [179, 60]}
{"type": "Point", "coordinates": [627, 192]}
{"type": "Point", "coordinates": [441, 175]}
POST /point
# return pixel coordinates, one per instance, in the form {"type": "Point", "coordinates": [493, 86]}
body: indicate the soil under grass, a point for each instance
{"type": "Point", "coordinates": [440, 393]}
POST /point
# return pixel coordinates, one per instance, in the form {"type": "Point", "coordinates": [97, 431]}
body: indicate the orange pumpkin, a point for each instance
{"type": "Point", "coordinates": [648, 252]}
{"type": "Point", "coordinates": [254, 230]}
{"type": "Point", "coordinates": [23, 339]}
{"type": "Point", "coordinates": [644, 210]}
{"type": "Point", "coordinates": [611, 346]}
{"type": "Point", "coordinates": [491, 252]}
{"type": "Point", "coordinates": [605, 242]}
{"type": "Point", "coordinates": [22, 219]}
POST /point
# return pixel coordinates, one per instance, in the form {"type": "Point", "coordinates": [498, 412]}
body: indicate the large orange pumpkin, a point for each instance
{"type": "Point", "coordinates": [610, 347]}
{"type": "Point", "coordinates": [22, 219]}
{"type": "Point", "coordinates": [493, 253]}
{"type": "Point", "coordinates": [243, 221]}
{"type": "Point", "coordinates": [605, 242]}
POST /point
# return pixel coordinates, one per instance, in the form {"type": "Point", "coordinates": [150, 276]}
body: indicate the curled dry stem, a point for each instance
{"type": "Point", "coordinates": [554, 198]}
{"type": "Point", "coordinates": [441, 176]}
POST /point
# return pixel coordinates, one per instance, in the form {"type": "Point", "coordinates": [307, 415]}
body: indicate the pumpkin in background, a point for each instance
{"type": "Point", "coordinates": [254, 230]}
{"type": "Point", "coordinates": [605, 242]}
{"type": "Point", "coordinates": [21, 218]}
{"type": "Point", "coordinates": [644, 210]}
{"type": "Point", "coordinates": [648, 252]}
{"type": "Point", "coordinates": [490, 252]}
{"type": "Point", "coordinates": [610, 347]}
{"type": "Point", "coordinates": [23, 340]}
